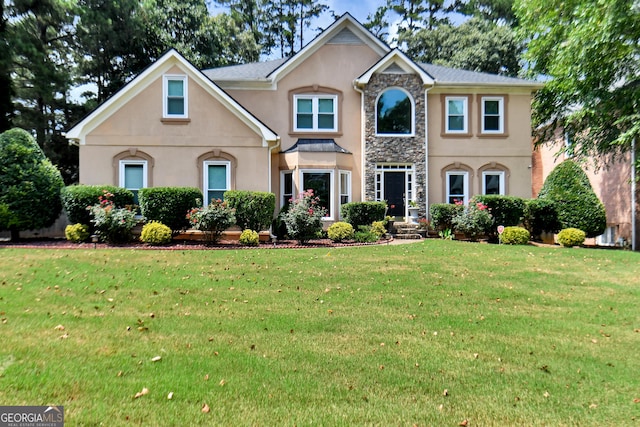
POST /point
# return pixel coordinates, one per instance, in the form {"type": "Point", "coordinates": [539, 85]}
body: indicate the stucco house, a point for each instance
{"type": "Point", "coordinates": [347, 116]}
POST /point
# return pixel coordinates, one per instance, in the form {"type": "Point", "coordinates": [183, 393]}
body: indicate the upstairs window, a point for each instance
{"type": "Point", "coordinates": [315, 113]}
{"type": "Point", "coordinates": [492, 119]}
{"type": "Point", "coordinates": [456, 114]}
{"type": "Point", "coordinates": [175, 97]}
{"type": "Point", "coordinates": [394, 113]}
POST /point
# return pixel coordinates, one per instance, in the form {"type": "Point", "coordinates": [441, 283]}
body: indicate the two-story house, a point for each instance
{"type": "Point", "coordinates": [347, 116]}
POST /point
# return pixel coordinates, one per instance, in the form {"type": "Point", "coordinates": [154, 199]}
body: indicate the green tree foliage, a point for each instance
{"type": "Point", "coordinates": [496, 11]}
{"type": "Point", "coordinates": [589, 51]}
{"type": "Point", "coordinates": [576, 202]}
{"type": "Point", "coordinates": [477, 45]}
{"type": "Point", "coordinates": [6, 57]}
{"type": "Point", "coordinates": [29, 184]}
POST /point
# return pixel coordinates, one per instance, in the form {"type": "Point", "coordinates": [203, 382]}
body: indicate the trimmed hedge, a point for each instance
{"type": "Point", "coordinates": [169, 205]}
{"type": "Point", "coordinates": [155, 233]}
{"type": "Point", "coordinates": [254, 209]}
{"type": "Point", "coordinates": [442, 215]}
{"type": "Point", "coordinates": [363, 213]}
{"type": "Point", "coordinates": [541, 215]}
{"type": "Point", "coordinates": [339, 231]}
{"type": "Point", "coordinates": [515, 236]}
{"type": "Point", "coordinates": [577, 204]}
{"type": "Point", "coordinates": [505, 210]}
{"type": "Point", "coordinates": [77, 198]}
{"type": "Point", "coordinates": [570, 237]}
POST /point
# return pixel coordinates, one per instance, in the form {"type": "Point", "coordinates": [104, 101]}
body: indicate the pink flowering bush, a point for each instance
{"type": "Point", "coordinates": [474, 220]}
{"type": "Point", "coordinates": [112, 224]}
{"type": "Point", "coordinates": [212, 220]}
{"type": "Point", "coordinates": [304, 217]}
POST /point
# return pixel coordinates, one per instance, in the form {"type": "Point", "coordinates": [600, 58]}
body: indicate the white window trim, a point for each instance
{"type": "Point", "coordinates": [413, 114]}
{"type": "Point", "coordinates": [500, 174]}
{"type": "Point", "coordinates": [332, 191]}
{"type": "Point", "coordinates": [124, 164]}
{"type": "Point", "coordinates": [347, 176]}
{"type": "Point", "coordinates": [165, 94]}
{"type": "Point", "coordinates": [315, 112]}
{"type": "Point", "coordinates": [282, 189]}
{"type": "Point", "coordinates": [205, 177]}
{"type": "Point", "coordinates": [500, 100]}
{"type": "Point", "coordinates": [465, 174]}
{"type": "Point", "coordinates": [465, 115]}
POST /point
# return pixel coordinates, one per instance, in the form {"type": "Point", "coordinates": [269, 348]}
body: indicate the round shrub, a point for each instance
{"type": "Point", "coordinates": [571, 237]}
{"type": "Point", "coordinates": [249, 238]}
{"type": "Point", "coordinates": [340, 231]}
{"type": "Point", "coordinates": [363, 213]}
{"type": "Point", "coordinates": [76, 233]}
{"type": "Point", "coordinates": [378, 228]}
{"type": "Point", "coordinates": [155, 233]}
{"type": "Point", "coordinates": [515, 236]}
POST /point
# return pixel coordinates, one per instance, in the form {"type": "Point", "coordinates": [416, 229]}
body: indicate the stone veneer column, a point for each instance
{"type": "Point", "coordinates": [395, 149]}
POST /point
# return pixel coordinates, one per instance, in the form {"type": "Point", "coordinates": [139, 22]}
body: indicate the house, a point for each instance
{"type": "Point", "coordinates": [611, 179]}
{"type": "Point", "coordinates": [347, 116]}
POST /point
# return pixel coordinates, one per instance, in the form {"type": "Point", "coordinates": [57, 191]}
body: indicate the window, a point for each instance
{"type": "Point", "coordinates": [315, 113]}
{"type": "Point", "coordinates": [394, 113]}
{"type": "Point", "coordinates": [345, 187]}
{"type": "Point", "coordinates": [492, 114]}
{"type": "Point", "coordinates": [457, 187]}
{"type": "Point", "coordinates": [320, 181]}
{"type": "Point", "coordinates": [456, 114]}
{"type": "Point", "coordinates": [216, 180]}
{"type": "Point", "coordinates": [286, 187]}
{"type": "Point", "coordinates": [493, 182]}
{"type": "Point", "coordinates": [133, 176]}
{"type": "Point", "coordinates": [175, 97]}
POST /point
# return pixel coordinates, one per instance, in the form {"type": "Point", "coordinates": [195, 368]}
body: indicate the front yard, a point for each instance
{"type": "Point", "coordinates": [429, 333]}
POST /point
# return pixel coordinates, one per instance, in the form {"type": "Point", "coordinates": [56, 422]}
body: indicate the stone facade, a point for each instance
{"type": "Point", "coordinates": [409, 150]}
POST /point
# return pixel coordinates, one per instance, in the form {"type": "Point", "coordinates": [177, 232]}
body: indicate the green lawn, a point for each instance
{"type": "Point", "coordinates": [430, 333]}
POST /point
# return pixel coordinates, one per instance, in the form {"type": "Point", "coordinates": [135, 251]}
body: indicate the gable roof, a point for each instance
{"type": "Point", "coordinates": [396, 61]}
{"type": "Point", "coordinates": [155, 71]}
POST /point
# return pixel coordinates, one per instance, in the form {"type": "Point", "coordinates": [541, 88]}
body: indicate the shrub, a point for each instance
{"type": "Point", "coordinates": [365, 235]}
{"type": "Point", "coordinates": [571, 237]}
{"type": "Point", "coordinates": [363, 213]}
{"type": "Point", "coordinates": [515, 236]}
{"type": "Point", "coordinates": [76, 233]}
{"type": "Point", "coordinates": [340, 231]}
{"type": "Point", "coordinates": [473, 220]}
{"type": "Point", "coordinates": [304, 217]}
{"type": "Point", "coordinates": [112, 224]}
{"type": "Point", "coordinates": [155, 233]}
{"type": "Point", "coordinates": [378, 228]}
{"type": "Point", "coordinates": [168, 205]}
{"type": "Point", "coordinates": [212, 220]}
{"type": "Point", "coordinates": [505, 210]}
{"type": "Point", "coordinates": [29, 184]}
{"type": "Point", "coordinates": [442, 215]}
{"type": "Point", "coordinates": [577, 204]}
{"type": "Point", "coordinates": [540, 215]}
{"type": "Point", "coordinates": [249, 238]}
{"type": "Point", "coordinates": [254, 209]}
{"type": "Point", "coordinates": [76, 198]}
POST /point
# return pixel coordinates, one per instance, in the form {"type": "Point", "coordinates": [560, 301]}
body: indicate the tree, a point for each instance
{"type": "Point", "coordinates": [588, 51]}
{"type": "Point", "coordinates": [29, 184]}
{"type": "Point", "coordinates": [496, 11]}
{"type": "Point", "coordinates": [476, 45]}
{"type": "Point", "coordinates": [6, 57]}
{"type": "Point", "coordinates": [576, 202]}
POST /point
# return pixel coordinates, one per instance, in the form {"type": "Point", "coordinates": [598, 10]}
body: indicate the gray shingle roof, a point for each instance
{"type": "Point", "coordinates": [251, 71]}
{"type": "Point", "coordinates": [312, 145]}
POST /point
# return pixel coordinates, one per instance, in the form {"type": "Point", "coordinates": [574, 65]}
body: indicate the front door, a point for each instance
{"type": "Point", "coordinates": [394, 192]}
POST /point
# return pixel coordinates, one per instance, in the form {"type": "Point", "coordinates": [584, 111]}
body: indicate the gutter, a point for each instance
{"type": "Point", "coordinates": [633, 194]}
{"type": "Point", "coordinates": [363, 119]}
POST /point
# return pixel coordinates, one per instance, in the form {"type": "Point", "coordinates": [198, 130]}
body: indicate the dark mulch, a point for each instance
{"type": "Point", "coordinates": [41, 243]}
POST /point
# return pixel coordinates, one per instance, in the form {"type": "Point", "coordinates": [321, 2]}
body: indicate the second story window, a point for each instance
{"type": "Point", "coordinates": [456, 114]}
{"type": "Point", "coordinates": [175, 97]}
{"type": "Point", "coordinates": [492, 119]}
{"type": "Point", "coordinates": [315, 113]}
{"type": "Point", "coordinates": [394, 113]}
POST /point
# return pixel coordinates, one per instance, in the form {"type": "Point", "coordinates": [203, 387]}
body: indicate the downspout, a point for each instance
{"type": "Point", "coordinates": [270, 181]}
{"type": "Point", "coordinates": [633, 194]}
{"type": "Point", "coordinates": [426, 153]}
{"type": "Point", "coordinates": [363, 130]}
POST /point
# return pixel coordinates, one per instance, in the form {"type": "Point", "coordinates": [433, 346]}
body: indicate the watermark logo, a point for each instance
{"type": "Point", "coordinates": [31, 416]}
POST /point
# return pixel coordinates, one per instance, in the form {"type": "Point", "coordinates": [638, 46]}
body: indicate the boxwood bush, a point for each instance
{"type": "Point", "coordinates": [515, 236]}
{"type": "Point", "coordinates": [155, 233]}
{"type": "Point", "coordinates": [540, 216]}
{"type": "Point", "coordinates": [169, 205]}
{"type": "Point", "coordinates": [340, 231]}
{"type": "Point", "coordinates": [570, 237]}
{"type": "Point", "coordinates": [505, 210]}
{"type": "Point", "coordinates": [254, 209]}
{"type": "Point", "coordinates": [363, 213]}
{"type": "Point", "coordinates": [442, 215]}
{"type": "Point", "coordinates": [76, 199]}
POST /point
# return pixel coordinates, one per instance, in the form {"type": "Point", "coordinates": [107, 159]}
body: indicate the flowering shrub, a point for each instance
{"type": "Point", "coordinates": [473, 220]}
{"type": "Point", "coordinates": [112, 224]}
{"type": "Point", "coordinates": [212, 220]}
{"type": "Point", "coordinates": [249, 238]}
{"type": "Point", "coordinates": [304, 217]}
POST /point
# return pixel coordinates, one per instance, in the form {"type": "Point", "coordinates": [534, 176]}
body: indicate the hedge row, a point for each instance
{"type": "Point", "coordinates": [76, 199]}
{"type": "Point", "coordinates": [169, 205]}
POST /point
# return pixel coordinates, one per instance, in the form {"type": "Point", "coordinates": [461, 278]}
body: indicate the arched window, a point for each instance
{"type": "Point", "coordinates": [394, 113]}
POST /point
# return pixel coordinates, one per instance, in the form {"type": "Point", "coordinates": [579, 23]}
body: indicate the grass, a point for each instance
{"type": "Point", "coordinates": [429, 333]}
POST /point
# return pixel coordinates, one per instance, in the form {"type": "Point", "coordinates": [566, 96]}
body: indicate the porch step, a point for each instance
{"type": "Point", "coordinates": [405, 230]}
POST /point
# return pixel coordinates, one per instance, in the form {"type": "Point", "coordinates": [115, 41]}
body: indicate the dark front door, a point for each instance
{"type": "Point", "coordinates": [394, 185]}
